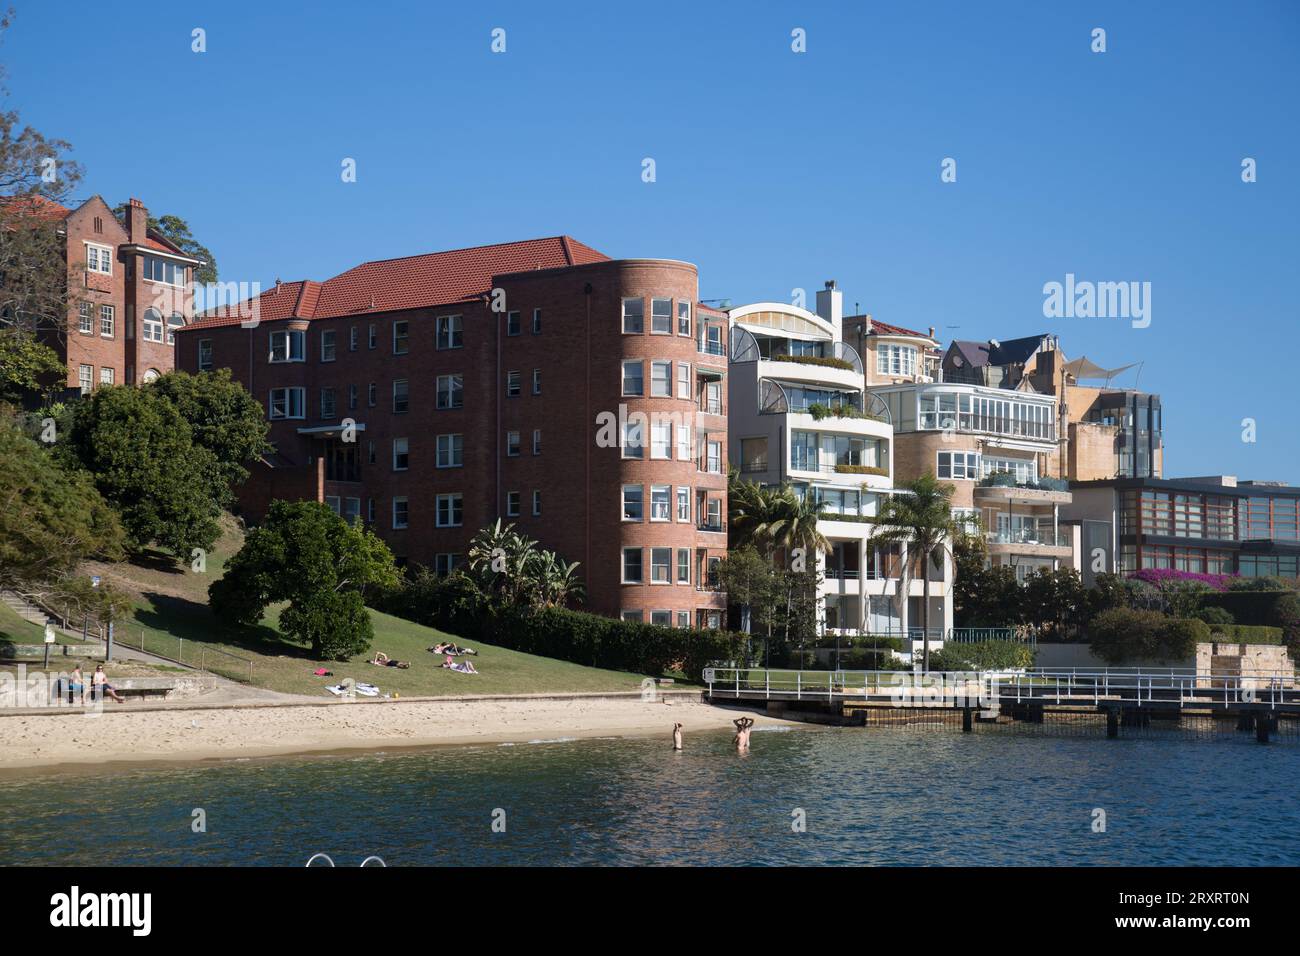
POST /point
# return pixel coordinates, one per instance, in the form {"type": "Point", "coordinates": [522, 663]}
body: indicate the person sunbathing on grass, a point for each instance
{"type": "Point", "coordinates": [383, 660]}
{"type": "Point", "coordinates": [450, 647]}
{"type": "Point", "coordinates": [466, 668]}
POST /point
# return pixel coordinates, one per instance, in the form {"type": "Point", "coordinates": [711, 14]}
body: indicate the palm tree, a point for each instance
{"type": "Point", "coordinates": [920, 520]}
{"type": "Point", "coordinates": [792, 522]}
{"type": "Point", "coordinates": [499, 557]}
{"type": "Point", "coordinates": [555, 580]}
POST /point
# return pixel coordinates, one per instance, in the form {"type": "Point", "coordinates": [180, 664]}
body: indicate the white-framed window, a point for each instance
{"type": "Point", "coordinates": [450, 510]}
{"type": "Point", "coordinates": [684, 619]}
{"type": "Point", "coordinates": [683, 503]}
{"type": "Point", "coordinates": [205, 355]}
{"type": "Point", "coordinates": [684, 318]}
{"type": "Point", "coordinates": [328, 406]}
{"type": "Point", "coordinates": [451, 334]}
{"type": "Point", "coordinates": [512, 504]}
{"type": "Point", "coordinates": [401, 337]}
{"type": "Point", "coordinates": [685, 451]}
{"type": "Point", "coordinates": [174, 322]}
{"type": "Point", "coordinates": [327, 345]}
{"type": "Point", "coordinates": [288, 402]}
{"type": "Point", "coordinates": [537, 381]}
{"type": "Point", "coordinates": [514, 384]}
{"type": "Point", "coordinates": [401, 513]}
{"type": "Point", "coordinates": [513, 326]}
{"type": "Point", "coordinates": [713, 461]}
{"type": "Point", "coordinates": [451, 451]}
{"type": "Point", "coordinates": [632, 573]}
{"type": "Point", "coordinates": [634, 438]}
{"type": "Point", "coordinates": [537, 441]}
{"type": "Point", "coordinates": [451, 391]}
{"type": "Point", "coordinates": [401, 396]}
{"type": "Point", "coordinates": [401, 454]}
{"type": "Point", "coordinates": [537, 321]}
{"type": "Point", "coordinates": [99, 258]}
{"type": "Point", "coordinates": [633, 378]}
{"type": "Point", "coordinates": [661, 565]}
{"type": "Point", "coordinates": [713, 514]}
{"type": "Point", "coordinates": [153, 327]}
{"type": "Point", "coordinates": [287, 346]}
{"type": "Point", "coordinates": [958, 464]}
{"type": "Point", "coordinates": [512, 444]}
{"type": "Point", "coordinates": [537, 503]}
{"type": "Point", "coordinates": [85, 318]}
{"type": "Point", "coordinates": [106, 320]}
{"type": "Point", "coordinates": [632, 503]}
{"type": "Point", "coordinates": [661, 379]}
{"type": "Point", "coordinates": [683, 565]}
{"type": "Point", "coordinates": [684, 380]}
{"type": "Point", "coordinates": [661, 440]}
{"type": "Point", "coordinates": [661, 316]}
{"type": "Point", "coordinates": [895, 359]}
{"type": "Point", "coordinates": [631, 616]}
{"type": "Point", "coordinates": [86, 378]}
{"type": "Point", "coordinates": [105, 375]}
{"type": "Point", "coordinates": [162, 270]}
{"type": "Point", "coordinates": [661, 502]}
{"type": "Point", "coordinates": [633, 316]}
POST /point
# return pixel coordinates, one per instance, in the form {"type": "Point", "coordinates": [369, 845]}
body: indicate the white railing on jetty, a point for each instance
{"type": "Point", "coordinates": [1129, 686]}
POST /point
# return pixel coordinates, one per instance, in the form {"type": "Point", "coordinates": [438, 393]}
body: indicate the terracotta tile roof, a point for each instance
{"type": "Point", "coordinates": [884, 328]}
{"type": "Point", "coordinates": [413, 282]}
{"type": "Point", "coordinates": [36, 206]}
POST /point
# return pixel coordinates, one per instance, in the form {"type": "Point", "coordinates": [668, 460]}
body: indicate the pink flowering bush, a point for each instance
{"type": "Point", "coordinates": [1163, 576]}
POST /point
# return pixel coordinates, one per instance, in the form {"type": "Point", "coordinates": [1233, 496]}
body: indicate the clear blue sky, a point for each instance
{"type": "Point", "coordinates": [775, 170]}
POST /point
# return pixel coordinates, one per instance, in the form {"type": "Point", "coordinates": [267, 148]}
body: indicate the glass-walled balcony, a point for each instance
{"type": "Point", "coordinates": [938, 409]}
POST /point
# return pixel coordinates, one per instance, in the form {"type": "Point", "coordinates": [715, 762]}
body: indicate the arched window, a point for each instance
{"type": "Point", "coordinates": [177, 321]}
{"type": "Point", "coordinates": [151, 376]}
{"type": "Point", "coordinates": [153, 325]}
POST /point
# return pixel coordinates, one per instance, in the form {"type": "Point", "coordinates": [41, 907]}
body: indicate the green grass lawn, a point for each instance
{"type": "Point", "coordinates": [16, 630]}
{"type": "Point", "coordinates": [187, 631]}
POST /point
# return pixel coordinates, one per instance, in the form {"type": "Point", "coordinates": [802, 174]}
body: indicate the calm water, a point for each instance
{"type": "Point", "coordinates": [871, 796]}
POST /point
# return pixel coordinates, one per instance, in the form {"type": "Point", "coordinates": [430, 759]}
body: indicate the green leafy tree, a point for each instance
{"type": "Point", "coordinates": [51, 519]}
{"type": "Point", "coordinates": [1053, 599]}
{"type": "Point", "coordinates": [750, 581]}
{"type": "Point", "coordinates": [920, 519]}
{"type": "Point", "coordinates": [141, 454]}
{"type": "Point", "coordinates": [27, 365]}
{"type": "Point", "coordinates": [324, 567]}
{"type": "Point", "coordinates": [223, 418]}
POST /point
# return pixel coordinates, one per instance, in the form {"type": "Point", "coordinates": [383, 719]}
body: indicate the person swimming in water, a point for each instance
{"type": "Point", "coordinates": [743, 725]}
{"type": "Point", "coordinates": [677, 736]}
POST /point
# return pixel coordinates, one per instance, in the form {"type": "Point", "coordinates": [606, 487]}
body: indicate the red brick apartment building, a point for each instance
{"type": "Point", "coordinates": [130, 292]}
{"type": "Point", "coordinates": [480, 384]}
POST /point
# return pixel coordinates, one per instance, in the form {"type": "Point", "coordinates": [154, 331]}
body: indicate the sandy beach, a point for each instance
{"type": "Point", "coordinates": [179, 733]}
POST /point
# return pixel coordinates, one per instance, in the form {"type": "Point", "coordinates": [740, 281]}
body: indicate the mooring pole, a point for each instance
{"type": "Point", "coordinates": [1112, 722]}
{"type": "Point", "coordinates": [966, 720]}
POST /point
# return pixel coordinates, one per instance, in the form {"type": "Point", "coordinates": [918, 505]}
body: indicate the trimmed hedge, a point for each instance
{"type": "Point", "coordinates": [1246, 634]}
{"type": "Point", "coordinates": [1279, 609]}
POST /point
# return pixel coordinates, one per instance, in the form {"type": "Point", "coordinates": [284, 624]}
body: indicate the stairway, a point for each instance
{"type": "Point", "coordinates": [35, 615]}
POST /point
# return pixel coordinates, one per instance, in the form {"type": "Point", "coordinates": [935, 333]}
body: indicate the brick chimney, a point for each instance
{"type": "Point", "coordinates": [137, 220]}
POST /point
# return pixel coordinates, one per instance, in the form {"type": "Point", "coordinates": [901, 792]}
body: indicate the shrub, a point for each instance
{"type": "Point", "coordinates": [1216, 617]}
{"type": "Point", "coordinates": [1124, 635]}
{"type": "Point", "coordinates": [1160, 576]}
{"type": "Point", "coordinates": [998, 655]}
{"type": "Point", "coordinates": [1260, 584]}
{"type": "Point", "coordinates": [861, 470]}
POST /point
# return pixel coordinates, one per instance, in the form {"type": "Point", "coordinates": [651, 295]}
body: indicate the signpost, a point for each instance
{"type": "Point", "coordinates": [49, 639]}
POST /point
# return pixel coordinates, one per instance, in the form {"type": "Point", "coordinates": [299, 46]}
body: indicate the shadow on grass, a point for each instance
{"type": "Point", "coordinates": [192, 621]}
{"type": "Point", "coordinates": [154, 560]}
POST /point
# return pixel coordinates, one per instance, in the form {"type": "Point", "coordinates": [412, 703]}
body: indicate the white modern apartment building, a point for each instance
{"type": "Point", "coordinates": [799, 412]}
